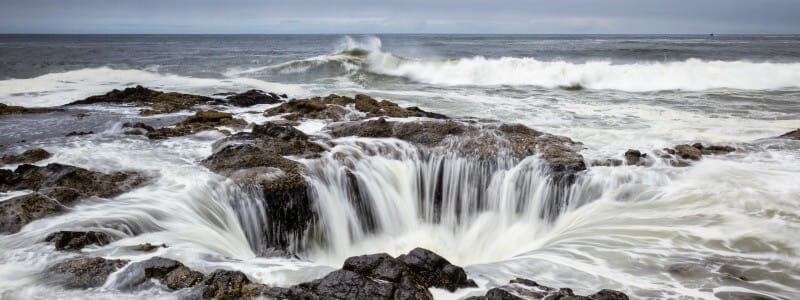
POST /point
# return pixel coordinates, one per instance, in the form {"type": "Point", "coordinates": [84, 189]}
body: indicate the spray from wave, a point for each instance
{"type": "Point", "coordinates": [367, 55]}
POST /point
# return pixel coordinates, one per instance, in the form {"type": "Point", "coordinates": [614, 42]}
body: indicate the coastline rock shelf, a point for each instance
{"type": "Point", "coordinates": [306, 189]}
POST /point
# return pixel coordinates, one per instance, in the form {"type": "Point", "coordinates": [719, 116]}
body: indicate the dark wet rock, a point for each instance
{"type": "Point", "coordinates": [257, 159]}
{"type": "Point", "coordinates": [224, 284]}
{"type": "Point", "coordinates": [138, 128]}
{"type": "Point", "coordinates": [147, 247]}
{"type": "Point", "coordinates": [611, 162]}
{"type": "Point", "coordinates": [478, 140]}
{"type": "Point", "coordinates": [333, 108]}
{"type": "Point", "coordinates": [200, 121]}
{"type": "Point", "coordinates": [524, 289]}
{"type": "Point", "coordinates": [792, 135]}
{"type": "Point", "coordinates": [79, 133]}
{"type": "Point", "coordinates": [57, 187]}
{"type": "Point", "coordinates": [157, 101]}
{"type": "Point", "coordinates": [21, 210]}
{"type": "Point", "coordinates": [688, 152]}
{"type": "Point", "coordinates": [76, 240]}
{"type": "Point", "coordinates": [171, 273]}
{"type": "Point", "coordinates": [716, 150]}
{"type": "Point", "coordinates": [253, 97]}
{"type": "Point", "coordinates": [83, 272]}
{"type": "Point", "coordinates": [18, 110]}
{"type": "Point", "coordinates": [635, 157]}
{"type": "Point", "coordinates": [27, 157]}
{"type": "Point", "coordinates": [436, 271]}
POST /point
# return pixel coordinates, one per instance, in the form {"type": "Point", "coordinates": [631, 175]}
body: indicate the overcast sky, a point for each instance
{"type": "Point", "coordinates": [409, 16]}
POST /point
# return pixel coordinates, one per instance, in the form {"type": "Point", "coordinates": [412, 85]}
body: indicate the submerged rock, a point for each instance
{"type": "Point", "coordinates": [19, 110]}
{"type": "Point", "coordinates": [525, 289]}
{"type": "Point", "coordinates": [27, 157]}
{"type": "Point", "coordinates": [635, 157]}
{"type": "Point", "coordinates": [253, 97]}
{"type": "Point", "coordinates": [76, 240]}
{"type": "Point", "coordinates": [56, 187]}
{"type": "Point", "coordinates": [83, 272]}
{"type": "Point", "coordinates": [157, 101]}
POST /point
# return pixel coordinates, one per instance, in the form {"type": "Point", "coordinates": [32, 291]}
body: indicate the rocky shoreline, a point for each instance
{"type": "Point", "coordinates": [265, 156]}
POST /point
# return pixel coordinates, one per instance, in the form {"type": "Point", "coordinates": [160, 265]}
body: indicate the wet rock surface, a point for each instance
{"type": "Point", "coordinates": [525, 289]}
{"type": "Point", "coordinates": [257, 159]}
{"type": "Point", "coordinates": [27, 157]}
{"type": "Point", "coordinates": [83, 272]}
{"type": "Point", "coordinates": [55, 187]}
{"type": "Point", "coordinates": [20, 110]}
{"type": "Point", "coordinates": [479, 140]}
{"type": "Point", "coordinates": [170, 273]}
{"type": "Point", "coordinates": [253, 97]}
{"type": "Point", "coordinates": [380, 276]}
{"type": "Point", "coordinates": [335, 108]}
{"type": "Point", "coordinates": [156, 102]}
{"type": "Point", "coordinates": [76, 240]}
{"type": "Point", "coordinates": [200, 121]}
{"type": "Point", "coordinates": [792, 135]}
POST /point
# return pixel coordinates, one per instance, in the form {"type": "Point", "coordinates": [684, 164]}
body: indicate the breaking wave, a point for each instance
{"type": "Point", "coordinates": [367, 55]}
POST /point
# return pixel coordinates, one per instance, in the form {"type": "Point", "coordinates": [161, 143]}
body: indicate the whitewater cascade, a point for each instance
{"type": "Point", "coordinates": [382, 188]}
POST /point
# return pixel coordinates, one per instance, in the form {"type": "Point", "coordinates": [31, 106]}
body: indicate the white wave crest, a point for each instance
{"type": "Point", "coordinates": [61, 88]}
{"type": "Point", "coordinates": [692, 74]}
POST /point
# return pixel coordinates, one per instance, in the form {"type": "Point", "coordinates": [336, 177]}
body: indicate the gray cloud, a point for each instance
{"type": "Point", "coordinates": [412, 16]}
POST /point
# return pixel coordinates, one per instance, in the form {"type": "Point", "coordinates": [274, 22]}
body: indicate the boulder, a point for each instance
{"type": "Point", "coordinates": [224, 284]}
{"type": "Point", "coordinates": [83, 272]}
{"type": "Point", "coordinates": [27, 157]}
{"type": "Point", "coordinates": [157, 102]}
{"type": "Point", "coordinates": [688, 152]}
{"type": "Point", "coordinates": [525, 289]}
{"type": "Point", "coordinates": [19, 110]}
{"type": "Point", "coordinates": [170, 273]}
{"type": "Point", "coordinates": [435, 271]}
{"type": "Point", "coordinates": [611, 162]}
{"type": "Point", "coordinates": [76, 240]}
{"type": "Point", "coordinates": [253, 97]}
{"type": "Point", "coordinates": [634, 157]}
{"type": "Point", "coordinates": [56, 187]}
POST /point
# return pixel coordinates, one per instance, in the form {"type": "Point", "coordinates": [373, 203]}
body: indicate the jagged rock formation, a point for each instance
{"type": "Point", "coordinates": [156, 102]}
{"type": "Point", "coordinates": [525, 289]}
{"type": "Point", "coordinates": [56, 187]}
{"type": "Point", "coordinates": [27, 157]}
{"type": "Point", "coordinates": [19, 110]}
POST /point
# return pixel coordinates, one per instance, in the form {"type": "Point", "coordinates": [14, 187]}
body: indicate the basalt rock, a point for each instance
{"type": "Point", "coordinates": [479, 140]}
{"type": "Point", "coordinates": [83, 272]}
{"type": "Point", "coordinates": [56, 187]}
{"type": "Point", "coordinates": [333, 107]}
{"type": "Point", "coordinates": [19, 110]}
{"type": "Point", "coordinates": [792, 135]}
{"type": "Point", "coordinates": [170, 273]}
{"type": "Point", "coordinates": [524, 289]}
{"type": "Point", "coordinates": [157, 102]}
{"type": "Point", "coordinates": [611, 162]}
{"type": "Point", "coordinates": [253, 97]}
{"type": "Point", "coordinates": [380, 276]}
{"type": "Point", "coordinates": [27, 157]}
{"type": "Point", "coordinates": [635, 157]}
{"type": "Point", "coordinates": [76, 240]}
{"type": "Point", "coordinates": [257, 159]}
{"type": "Point", "coordinates": [224, 284]}
{"type": "Point", "coordinates": [688, 152]}
{"type": "Point", "coordinates": [436, 271]}
{"type": "Point", "coordinates": [200, 121]}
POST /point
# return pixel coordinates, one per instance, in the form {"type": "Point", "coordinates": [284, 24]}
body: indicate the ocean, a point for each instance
{"type": "Point", "coordinates": [722, 228]}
